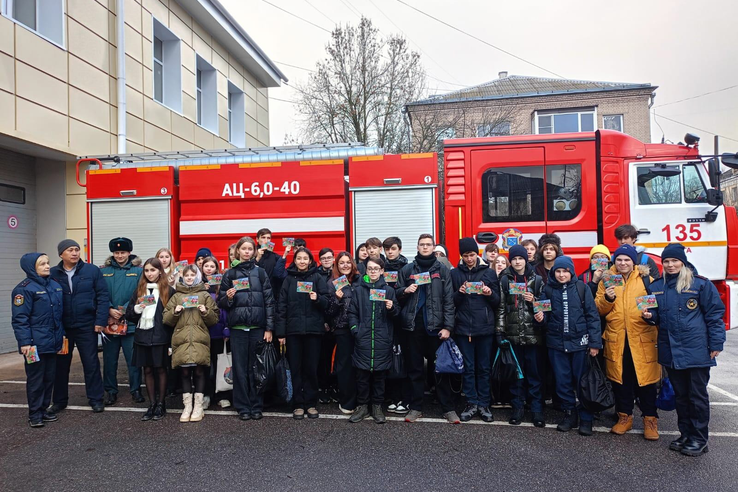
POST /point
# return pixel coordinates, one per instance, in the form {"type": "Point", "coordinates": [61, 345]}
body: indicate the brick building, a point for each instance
{"type": "Point", "coordinates": [529, 105]}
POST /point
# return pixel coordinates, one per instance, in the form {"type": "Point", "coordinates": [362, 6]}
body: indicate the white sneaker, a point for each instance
{"type": "Point", "coordinates": [401, 408]}
{"type": "Point", "coordinates": [344, 411]}
{"type": "Point", "coordinates": [205, 402]}
{"type": "Point", "coordinates": [392, 407]}
{"type": "Point", "coordinates": [224, 404]}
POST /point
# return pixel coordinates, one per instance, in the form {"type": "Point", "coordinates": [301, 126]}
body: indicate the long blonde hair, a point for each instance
{"type": "Point", "coordinates": [685, 279]}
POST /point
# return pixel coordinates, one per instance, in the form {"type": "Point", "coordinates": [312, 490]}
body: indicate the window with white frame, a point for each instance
{"type": "Point", "coordinates": [207, 95]}
{"type": "Point", "coordinates": [613, 122]}
{"type": "Point", "coordinates": [45, 17]}
{"type": "Point", "coordinates": [236, 118]}
{"type": "Point", "coordinates": [582, 120]}
{"type": "Point", "coordinates": [445, 133]}
{"type": "Point", "coordinates": [167, 67]}
{"type": "Point", "coordinates": [493, 129]}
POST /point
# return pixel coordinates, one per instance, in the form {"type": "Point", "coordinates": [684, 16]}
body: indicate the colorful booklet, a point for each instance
{"type": "Point", "coordinates": [340, 282]}
{"type": "Point", "coordinates": [542, 306]}
{"type": "Point", "coordinates": [421, 278]}
{"type": "Point", "coordinates": [646, 302]}
{"type": "Point", "coordinates": [147, 300]}
{"type": "Point", "coordinates": [32, 355]}
{"type": "Point", "coordinates": [215, 279]}
{"type": "Point", "coordinates": [269, 246]}
{"type": "Point", "coordinates": [599, 263]}
{"type": "Point", "coordinates": [377, 295]}
{"type": "Point", "coordinates": [390, 277]}
{"type": "Point", "coordinates": [474, 287]}
{"type": "Point", "coordinates": [241, 283]}
{"type": "Point", "coordinates": [191, 302]}
{"type": "Point", "coordinates": [179, 266]}
{"type": "Point", "coordinates": [518, 288]}
{"type": "Point", "coordinates": [614, 281]}
{"type": "Point", "coordinates": [305, 287]}
{"type": "Point", "coordinates": [288, 241]}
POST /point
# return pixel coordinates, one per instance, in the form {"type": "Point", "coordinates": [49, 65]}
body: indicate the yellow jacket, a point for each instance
{"type": "Point", "coordinates": [623, 318]}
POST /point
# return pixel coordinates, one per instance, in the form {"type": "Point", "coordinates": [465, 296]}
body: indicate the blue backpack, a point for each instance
{"type": "Point", "coordinates": [449, 359]}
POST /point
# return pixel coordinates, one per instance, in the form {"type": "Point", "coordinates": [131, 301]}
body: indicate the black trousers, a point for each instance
{"type": "Point", "coordinates": [86, 342]}
{"type": "Point", "coordinates": [370, 386]}
{"type": "Point", "coordinates": [246, 400]}
{"type": "Point", "coordinates": [626, 393]}
{"type": "Point", "coordinates": [325, 379]}
{"type": "Point", "coordinates": [39, 385]}
{"type": "Point", "coordinates": [397, 389]}
{"type": "Point", "coordinates": [420, 346]}
{"type": "Point", "coordinates": [692, 401]}
{"type": "Point", "coordinates": [345, 372]}
{"type": "Point", "coordinates": [303, 354]}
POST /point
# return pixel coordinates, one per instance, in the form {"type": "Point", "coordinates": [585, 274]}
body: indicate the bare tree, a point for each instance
{"type": "Point", "coordinates": [358, 92]}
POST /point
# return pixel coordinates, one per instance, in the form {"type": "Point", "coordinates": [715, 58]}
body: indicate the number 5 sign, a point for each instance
{"type": "Point", "coordinates": [13, 222]}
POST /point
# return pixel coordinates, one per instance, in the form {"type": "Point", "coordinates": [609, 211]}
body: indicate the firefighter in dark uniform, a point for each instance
{"type": "Point", "coordinates": [37, 325]}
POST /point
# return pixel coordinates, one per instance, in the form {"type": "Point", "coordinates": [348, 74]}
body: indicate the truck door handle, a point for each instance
{"type": "Point", "coordinates": [644, 231]}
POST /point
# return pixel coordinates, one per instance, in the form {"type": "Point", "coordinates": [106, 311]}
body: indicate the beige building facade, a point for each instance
{"type": "Point", "coordinates": [191, 78]}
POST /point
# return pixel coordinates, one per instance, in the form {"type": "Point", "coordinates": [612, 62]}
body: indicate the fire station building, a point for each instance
{"type": "Point", "coordinates": [188, 77]}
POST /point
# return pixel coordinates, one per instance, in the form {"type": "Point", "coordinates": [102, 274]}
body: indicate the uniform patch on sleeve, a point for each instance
{"type": "Point", "coordinates": [18, 300]}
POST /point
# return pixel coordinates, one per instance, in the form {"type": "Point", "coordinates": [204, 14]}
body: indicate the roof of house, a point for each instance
{"type": "Point", "coordinates": [216, 19]}
{"type": "Point", "coordinates": [514, 86]}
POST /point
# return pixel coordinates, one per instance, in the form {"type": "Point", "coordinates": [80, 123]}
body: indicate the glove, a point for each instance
{"type": "Point", "coordinates": [499, 338]}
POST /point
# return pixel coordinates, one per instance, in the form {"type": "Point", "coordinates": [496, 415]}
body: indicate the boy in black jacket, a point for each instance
{"type": "Point", "coordinates": [425, 291]}
{"type": "Point", "coordinates": [476, 296]}
{"type": "Point", "coordinates": [394, 262]}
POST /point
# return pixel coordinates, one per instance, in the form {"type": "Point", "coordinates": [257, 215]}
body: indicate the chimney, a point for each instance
{"type": "Point", "coordinates": [503, 75]}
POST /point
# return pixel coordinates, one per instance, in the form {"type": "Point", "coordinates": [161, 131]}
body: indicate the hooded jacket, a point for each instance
{"type": "Point", "coordinates": [297, 314]}
{"type": "Point", "coordinates": [122, 281]}
{"type": "Point", "coordinates": [249, 307]}
{"type": "Point", "coordinates": [690, 324]}
{"type": "Point", "coordinates": [439, 301]}
{"type": "Point", "coordinates": [623, 320]}
{"type": "Point", "coordinates": [87, 304]}
{"type": "Point", "coordinates": [337, 312]}
{"type": "Point", "coordinates": [514, 315]}
{"type": "Point", "coordinates": [37, 309]}
{"type": "Point", "coordinates": [191, 338]}
{"type": "Point", "coordinates": [160, 334]}
{"type": "Point", "coordinates": [475, 313]}
{"type": "Point", "coordinates": [371, 325]}
{"type": "Point", "coordinates": [219, 328]}
{"type": "Point", "coordinates": [572, 324]}
{"type": "Point", "coordinates": [274, 265]}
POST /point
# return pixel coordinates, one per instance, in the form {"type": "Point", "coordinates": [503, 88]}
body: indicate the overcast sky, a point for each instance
{"type": "Point", "coordinates": [685, 48]}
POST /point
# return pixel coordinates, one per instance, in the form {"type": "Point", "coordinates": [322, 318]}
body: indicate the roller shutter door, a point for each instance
{"type": "Point", "coordinates": [145, 222]}
{"type": "Point", "coordinates": [406, 213]}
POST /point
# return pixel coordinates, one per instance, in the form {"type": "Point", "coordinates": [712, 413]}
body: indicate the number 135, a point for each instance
{"type": "Point", "coordinates": [681, 233]}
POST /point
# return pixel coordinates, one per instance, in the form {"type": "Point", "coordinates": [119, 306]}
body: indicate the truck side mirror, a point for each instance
{"type": "Point", "coordinates": [487, 237]}
{"type": "Point", "coordinates": [730, 160]}
{"type": "Point", "coordinates": [714, 197]}
{"type": "Point", "coordinates": [713, 170]}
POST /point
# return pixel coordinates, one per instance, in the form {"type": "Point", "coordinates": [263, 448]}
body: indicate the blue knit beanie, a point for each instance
{"type": "Point", "coordinates": [674, 250]}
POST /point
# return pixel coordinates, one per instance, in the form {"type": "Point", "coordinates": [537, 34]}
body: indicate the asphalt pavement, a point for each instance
{"type": "Point", "coordinates": [116, 451]}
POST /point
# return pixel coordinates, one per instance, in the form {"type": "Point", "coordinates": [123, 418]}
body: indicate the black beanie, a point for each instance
{"type": "Point", "coordinates": [518, 250]}
{"type": "Point", "coordinates": [467, 245]}
{"type": "Point", "coordinates": [674, 250]}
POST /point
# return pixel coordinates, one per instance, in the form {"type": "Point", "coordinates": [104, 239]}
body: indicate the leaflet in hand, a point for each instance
{"type": "Point", "coordinates": [390, 277]}
{"type": "Point", "coordinates": [180, 265]}
{"type": "Point", "coordinates": [542, 306]}
{"type": "Point", "coordinates": [518, 288]}
{"type": "Point", "coordinates": [32, 355]}
{"type": "Point", "coordinates": [305, 287]}
{"type": "Point", "coordinates": [191, 302]}
{"type": "Point", "coordinates": [646, 302]}
{"type": "Point", "coordinates": [288, 241]}
{"type": "Point", "coordinates": [599, 263]}
{"type": "Point", "coordinates": [614, 281]}
{"type": "Point", "coordinates": [421, 278]}
{"type": "Point", "coordinates": [147, 300]}
{"type": "Point", "coordinates": [269, 246]}
{"type": "Point", "coordinates": [215, 279]}
{"type": "Point", "coordinates": [474, 287]}
{"type": "Point", "coordinates": [241, 284]}
{"type": "Point", "coordinates": [377, 295]}
{"type": "Point", "coordinates": [340, 282]}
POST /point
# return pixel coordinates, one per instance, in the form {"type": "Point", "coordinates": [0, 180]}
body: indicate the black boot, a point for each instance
{"type": "Point", "coordinates": [516, 417]}
{"type": "Point", "coordinates": [694, 448]}
{"type": "Point", "coordinates": [568, 422]}
{"type": "Point", "coordinates": [137, 397]}
{"type": "Point", "coordinates": [538, 419]}
{"type": "Point", "coordinates": [111, 399]}
{"type": "Point", "coordinates": [585, 428]}
{"type": "Point", "coordinates": [159, 411]}
{"type": "Point", "coordinates": [361, 412]}
{"type": "Point", "coordinates": [678, 444]}
{"type": "Point", "coordinates": [149, 413]}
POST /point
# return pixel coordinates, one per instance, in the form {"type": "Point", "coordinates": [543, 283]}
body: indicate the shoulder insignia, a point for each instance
{"type": "Point", "coordinates": [41, 292]}
{"type": "Point", "coordinates": [131, 274]}
{"type": "Point", "coordinates": [25, 283]}
{"type": "Point", "coordinates": [692, 303]}
{"type": "Point", "coordinates": [657, 293]}
{"type": "Point", "coordinates": [18, 300]}
{"type": "Point", "coordinates": [107, 274]}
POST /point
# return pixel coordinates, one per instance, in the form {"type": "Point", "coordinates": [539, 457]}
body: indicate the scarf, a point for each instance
{"type": "Point", "coordinates": [425, 262]}
{"type": "Point", "coordinates": [147, 317]}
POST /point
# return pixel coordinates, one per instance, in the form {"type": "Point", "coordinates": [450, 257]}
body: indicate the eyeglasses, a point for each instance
{"type": "Point", "coordinates": [374, 269]}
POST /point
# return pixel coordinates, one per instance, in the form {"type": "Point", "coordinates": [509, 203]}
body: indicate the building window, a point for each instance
{"type": "Point", "coordinates": [167, 67]}
{"type": "Point", "coordinates": [12, 194]}
{"type": "Point", "coordinates": [445, 133]}
{"type": "Point", "coordinates": [207, 95]}
{"type": "Point", "coordinates": [613, 122]}
{"type": "Point", "coordinates": [44, 17]}
{"type": "Point", "coordinates": [565, 121]}
{"type": "Point", "coordinates": [493, 129]}
{"type": "Point", "coordinates": [236, 118]}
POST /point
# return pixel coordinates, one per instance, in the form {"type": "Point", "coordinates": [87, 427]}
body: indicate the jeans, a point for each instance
{"type": "Point", "coordinates": [303, 354]}
{"type": "Point", "coordinates": [370, 386]}
{"type": "Point", "coordinates": [246, 400]}
{"type": "Point", "coordinates": [39, 385]}
{"type": "Point", "coordinates": [692, 401]}
{"type": "Point", "coordinates": [345, 371]}
{"type": "Point", "coordinates": [86, 341]}
{"type": "Point", "coordinates": [568, 370]}
{"type": "Point", "coordinates": [531, 360]}
{"type": "Point", "coordinates": [111, 351]}
{"type": "Point", "coordinates": [626, 393]}
{"type": "Point", "coordinates": [477, 367]}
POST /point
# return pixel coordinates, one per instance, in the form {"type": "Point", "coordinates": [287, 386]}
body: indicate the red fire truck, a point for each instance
{"type": "Point", "coordinates": [503, 189]}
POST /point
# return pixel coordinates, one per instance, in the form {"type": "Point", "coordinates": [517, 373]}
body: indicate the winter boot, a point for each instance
{"type": "Point", "coordinates": [569, 421]}
{"type": "Point", "coordinates": [187, 411]}
{"type": "Point", "coordinates": [625, 423]}
{"type": "Point", "coordinates": [378, 414]}
{"type": "Point", "coordinates": [361, 412]}
{"type": "Point", "coordinates": [651, 428]}
{"type": "Point", "coordinates": [197, 411]}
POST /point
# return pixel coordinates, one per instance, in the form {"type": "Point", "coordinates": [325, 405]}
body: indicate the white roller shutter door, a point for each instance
{"type": "Point", "coordinates": [145, 222]}
{"type": "Point", "coordinates": [406, 213]}
{"type": "Point", "coordinates": [15, 170]}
